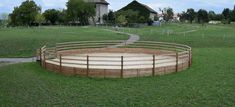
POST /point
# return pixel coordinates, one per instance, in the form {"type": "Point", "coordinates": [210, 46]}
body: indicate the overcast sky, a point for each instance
{"type": "Point", "coordinates": [6, 6]}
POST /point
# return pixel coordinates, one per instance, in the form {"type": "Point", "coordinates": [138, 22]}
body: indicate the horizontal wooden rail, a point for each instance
{"type": "Point", "coordinates": [75, 55]}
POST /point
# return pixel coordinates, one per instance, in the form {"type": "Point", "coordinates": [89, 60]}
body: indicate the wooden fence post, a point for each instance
{"type": "Point", "coordinates": [60, 63]}
{"type": "Point", "coordinates": [153, 73]}
{"type": "Point", "coordinates": [44, 59]}
{"type": "Point", "coordinates": [189, 60]}
{"type": "Point", "coordinates": [121, 66]}
{"type": "Point", "coordinates": [87, 71]}
{"type": "Point", "coordinates": [177, 61]}
{"type": "Point", "coordinates": [40, 56]}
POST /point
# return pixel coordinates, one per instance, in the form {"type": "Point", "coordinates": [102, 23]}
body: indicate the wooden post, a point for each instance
{"type": "Point", "coordinates": [189, 59]}
{"type": "Point", "coordinates": [60, 63]}
{"type": "Point", "coordinates": [177, 61]}
{"type": "Point", "coordinates": [44, 59]}
{"type": "Point", "coordinates": [153, 73]}
{"type": "Point", "coordinates": [87, 72]}
{"type": "Point", "coordinates": [40, 56]}
{"type": "Point", "coordinates": [121, 66]}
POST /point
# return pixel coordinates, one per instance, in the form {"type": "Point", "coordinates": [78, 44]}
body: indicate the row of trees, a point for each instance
{"type": "Point", "coordinates": [29, 13]}
{"type": "Point", "coordinates": [202, 16]}
{"type": "Point", "coordinates": [80, 12]}
{"type": "Point", "coordinates": [167, 13]}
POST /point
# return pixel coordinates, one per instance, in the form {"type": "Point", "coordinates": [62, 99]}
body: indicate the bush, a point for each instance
{"type": "Point", "coordinates": [225, 21]}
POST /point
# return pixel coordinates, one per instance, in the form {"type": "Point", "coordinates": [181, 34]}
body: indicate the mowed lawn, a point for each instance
{"type": "Point", "coordinates": [209, 82]}
{"type": "Point", "coordinates": [23, 42]}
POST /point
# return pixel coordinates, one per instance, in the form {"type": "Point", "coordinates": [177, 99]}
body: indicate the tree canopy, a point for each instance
{"type": "Point", "coordinates": [110, 17]}
{"type": "Point", "coordinates": [51, 15]}
{"type": "Point", "coordinates": [78, 10]}
{"type": "Point", "coordinates": [233, 14]}
{"type": "Point", "coordinates": [39, 18]}
{"type": "Point", "coordinates": [190, 15]}
{"type": "Point", "coordinates": [202, 16]}
{"type": "Point", "coordinates": [168, 14]}
{"type": "Point", "coordinates": [25, 14]}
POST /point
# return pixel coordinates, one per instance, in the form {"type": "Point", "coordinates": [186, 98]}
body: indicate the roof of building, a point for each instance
{"type": "Point", "coordinates": [149, 8]}
{"type": "Point", "coordinates": [135, 2]}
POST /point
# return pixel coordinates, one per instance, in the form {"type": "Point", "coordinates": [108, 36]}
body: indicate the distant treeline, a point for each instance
{"type": "Point", "coordinates": [202, 16]}
{"type": "Point", "coordinates": [79, 12]}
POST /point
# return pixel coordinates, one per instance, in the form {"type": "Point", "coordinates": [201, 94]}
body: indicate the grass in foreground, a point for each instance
{"type": "Point", "coordinates": [210, 81]}
{"type": "Point", "coordinates": [207, 83]}
{"type": "Point", "coordinates": [23, 42]}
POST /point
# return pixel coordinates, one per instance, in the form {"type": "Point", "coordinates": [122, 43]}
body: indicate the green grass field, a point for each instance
{"type": "Point", "coordinates": [23, 42]}
{"type": "Point", "coordinates": [209, 82]}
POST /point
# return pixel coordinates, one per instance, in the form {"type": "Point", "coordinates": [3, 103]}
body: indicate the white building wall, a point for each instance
{"type": "Point", "coordinates": [101, 9]}
{"type": "Point", "coordinates": [151, 16]}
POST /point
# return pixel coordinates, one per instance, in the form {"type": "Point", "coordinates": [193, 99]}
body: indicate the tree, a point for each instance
{"type": "Point", "coordinates": [105, 18]}
{"type": "Point", "coordinates": [168, 13]}
{"type": "Point", "coordinates": [226, 16]}
{"type": "Point", "coordinates": [3, 19]}
{"type": "Point", "coordinates": [39, 19]}
{"type": "Point", "coordinates": [218, 17]}
{"type": "Point", "coordinates": [212, 15]}
{"type": "Point", "coordinates": [121, 20]}
{"type": "Point", "coordinates": [62, 17]}
{"type": "Point", "coordinates": [78, 10]}
{"type": "Point", "coordinates": [52, 15]}
{"type": "Point", "coordinates": [226, 13]}
{"type": "Point", "coordinates": [183, 16]}
{"type": "Point", "coordinates": [190, 15]}
{"type": "Point", "coordinates": [132, 16]}
{"type": "Point", "coordinates": [233, 14]}
{"type": "Point", "coordinates": [110, 17]}
{"type": "Point", "coordinates": [202, 16]}
{"type": "Point", "coordinates": [25, 14]}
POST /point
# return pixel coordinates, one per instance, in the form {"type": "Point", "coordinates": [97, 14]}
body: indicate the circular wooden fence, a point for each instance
{"type": "Point", "coordinates": [115, 59]}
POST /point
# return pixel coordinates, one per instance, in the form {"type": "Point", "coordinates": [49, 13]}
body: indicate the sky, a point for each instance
{"type": "Point", "coordinates": [6, 6]}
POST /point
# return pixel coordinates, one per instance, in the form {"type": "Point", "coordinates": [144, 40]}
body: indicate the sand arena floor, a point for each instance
{"type": "Point", "coordinates": [113, 61]}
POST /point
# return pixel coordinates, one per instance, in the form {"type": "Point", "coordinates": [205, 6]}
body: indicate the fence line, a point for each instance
{"type": "Point", "coordinates": [177, 54]}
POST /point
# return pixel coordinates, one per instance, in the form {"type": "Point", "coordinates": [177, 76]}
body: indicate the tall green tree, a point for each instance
{"type": "Point", "coordinates": [121, 20]}
{"type": "Point", "coordinates": [190, 15]}
{"type": "Point", "coordinates": [183, 16]}
{"type": "Point", "coordinates": [131, 16]}
{"type": "Point", "coordinates": [110, 17]}
{"type": "Point", "coordinates": [25, 14]}
{"type": "Point", "coordinates": [226, 13]}
{"type": "Point", "coordinates": [78, 10]}
{"type": "Point", "coordinates": [52, 15]}
{"type": "Point", "coordinates": [39, 19]}
{"type": "Point", "coordinates": [212, 15]}
{"type": "Point", "coordinates": [226, 16]}
{"type": "Point", "coordinates": [202, 16]}
{"type": "Point", "coordinates": [168, 13]}
{"type": "Point", "coordinates": [233, 14]}
{"type": "Point", "coordinates": [63, 17]}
